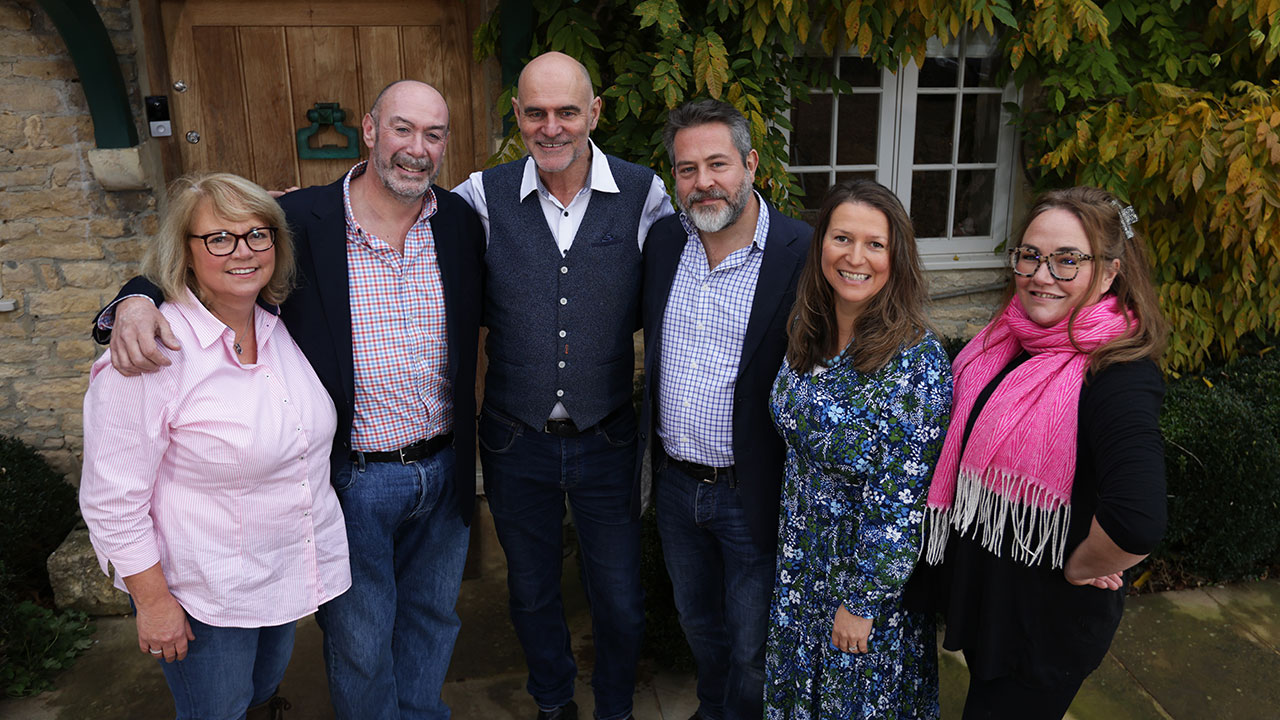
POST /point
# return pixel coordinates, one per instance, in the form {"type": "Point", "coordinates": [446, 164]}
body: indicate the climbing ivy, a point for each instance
{"type": "Point", "coordinates": [1171, 104]}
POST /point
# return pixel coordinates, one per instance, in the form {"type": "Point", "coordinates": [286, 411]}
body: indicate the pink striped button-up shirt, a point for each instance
{"type": "Point", "coordinates": [218, 471]}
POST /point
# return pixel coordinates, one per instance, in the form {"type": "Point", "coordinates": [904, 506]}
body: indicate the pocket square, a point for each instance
{"type": "Point", "coordinates": [606, 239]}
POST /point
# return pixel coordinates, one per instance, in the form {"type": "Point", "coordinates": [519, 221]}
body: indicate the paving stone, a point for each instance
{"type": "Point", "coordinates": [1111, 693]}
{"type": "Point", "coordinates": [1256, 605]}
{"type": "Point", "coordinates": [1195, 660]}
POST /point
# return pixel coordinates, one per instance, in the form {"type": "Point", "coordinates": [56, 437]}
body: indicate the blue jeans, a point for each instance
{"type": "Point", "coordinates": [722, 584]}
{"type": "Point", "coordinates": [527, 475]}
{"type": "Point", "coordinates": [388, 640]}
{"type": "Point", "coordinates": [228, 670]}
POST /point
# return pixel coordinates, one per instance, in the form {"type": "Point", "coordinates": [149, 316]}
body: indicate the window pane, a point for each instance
{"type": "Point", "coordinates": [981, 71]}
{"type": "Point", "coordinates": [859, 72]}
{"type": "Point", "coordinates": [935, 116]}
{"type": "Point", "coordinates": [855, 174]}
{"type": "Point", "coordinates": [979, 128]}
{"type": "Point", "coordinates": [940, 72]}
{"type": "Point", "coordinates": [858, 125]}
{"type": "Point", "coordinates": [930, 191]}
{"type": "Point", "coordinates": [811, 131]}
{"type": "Point", "coordinates": [975, 190]}
{"type": "Point", "coordinates": [814, 186]}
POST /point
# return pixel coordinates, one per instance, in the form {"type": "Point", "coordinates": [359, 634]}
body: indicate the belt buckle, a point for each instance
{"type": "Point", "coordinates": [403, 461]}
{"type": "Point", "coordinates": [710, 480]}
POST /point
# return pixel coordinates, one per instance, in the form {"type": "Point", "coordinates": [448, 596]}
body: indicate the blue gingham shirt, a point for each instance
{"type": "Point", "coordinates": [702, 333]}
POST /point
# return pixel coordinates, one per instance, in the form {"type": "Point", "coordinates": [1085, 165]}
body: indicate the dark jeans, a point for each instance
{"type": "Point", "coordinates": [388, 640]}
{"type": "Point", "coordinates": [228, 670]}
{"type": "Point", "coordinates": [1009, 698]}
{"type": "Point", "coordinates": [723, 584]}
{"type": "Point", "coordinates": [527, 475]}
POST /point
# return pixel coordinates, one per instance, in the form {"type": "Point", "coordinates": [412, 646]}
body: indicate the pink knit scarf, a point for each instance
{"type": "Point", "coordinates": [1020, 460]}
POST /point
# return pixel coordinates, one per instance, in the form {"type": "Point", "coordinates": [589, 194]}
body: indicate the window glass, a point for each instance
{"type": "Point", "coordinates": [979, 128]}
{"type": "Point", "coordinates": [935, 116]}
{"type": "Point", "coordinates": [930, 193]}
{"type": "Point", "coordinates": [859, 127]}
{"type": "Point", "coordinates": [811, 130]}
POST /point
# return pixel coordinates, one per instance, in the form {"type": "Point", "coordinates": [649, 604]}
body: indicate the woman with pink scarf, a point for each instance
{"type": "Point", "coordinates": [1051, 480]}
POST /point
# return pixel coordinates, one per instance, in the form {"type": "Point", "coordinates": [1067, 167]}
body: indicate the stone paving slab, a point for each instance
{"type": "Point", "coordinates": [1256, 605]}
{"type": "Point", "coordinates": [1196, 659]}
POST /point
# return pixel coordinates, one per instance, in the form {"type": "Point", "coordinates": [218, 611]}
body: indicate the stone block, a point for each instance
{"type": "Point", "coordinates": [46, 203]}
{"type": "Point", "coordinates": [24, 44]}
{"type": "Point", "coordinates": [66, 130]}
{"type": "Point", "coordinates": [40, 421]}
{"type": "Point", "coordinates": [28, 157]}
{"type": "Point", "coordinates": [26, 178]}
{"type": "Point", "coordinates": [54, 250]}
{"type": "Point", "coordinates": [23, 351]}
{"type": "Point", "coordinates": [8, 372]}
{"type": "Point", "coordinates": [11, 135]}
{"type": "Point", "coordinates": [94, 275]}
{"type": "Point", "coordinates": [25, 96]}
{"type": "Point", "coordinates": [63, 327]}
{"type": "Point", "coordinates": [49, 274]}
{"type": "Point", "coordinates": [77, 351]}
{"type": "Point", "coordinates": [106, 227]}
{"type": "Point", "coordinates": [14, 18]}
{"type": "Point", "coordinates": [15, 229]}
{"type": "Point", "coordinates": [126, 250]}
{"type": "Point", "coordinates": [65, 301]}
{"type": "Point", "coordinates": [16, 276]}
{"type": "Point", "coordinates": [118, 168]}
{"type": "Point", "coordinates": [51, 394]}
{"type": "Point", "coordinates": [52, 69]}
{"type": "Point", "coordinates": [78, 581]}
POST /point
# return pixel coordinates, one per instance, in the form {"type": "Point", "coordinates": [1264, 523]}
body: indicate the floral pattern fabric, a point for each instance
{"type": "Point", "coordinates": [860, 451]}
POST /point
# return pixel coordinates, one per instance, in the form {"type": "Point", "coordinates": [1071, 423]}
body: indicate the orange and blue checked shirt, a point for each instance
{"type": "Point", "coordinates": [398, 335]}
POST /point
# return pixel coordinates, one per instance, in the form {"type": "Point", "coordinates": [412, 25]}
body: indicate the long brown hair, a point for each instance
{"type": "Point", "coordinates": [894, 316]}
{"type": "Point", "coordinates": [1099, 214]}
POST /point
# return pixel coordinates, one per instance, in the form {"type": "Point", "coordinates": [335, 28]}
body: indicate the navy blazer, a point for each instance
{"type": "Point", "coordinates": [758, 450]}
{"type": "Point", "coordinates": [318, 311]}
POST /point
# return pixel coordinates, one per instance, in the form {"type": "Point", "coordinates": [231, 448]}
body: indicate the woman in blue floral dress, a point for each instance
{"type": "Point", "coordinates": [862, 401]}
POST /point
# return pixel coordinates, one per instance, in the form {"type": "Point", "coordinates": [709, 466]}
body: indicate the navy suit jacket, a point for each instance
{"type": "Point", "coordinates": [758, 450]}
{"type": "Point", "coordinates": [318, 311]}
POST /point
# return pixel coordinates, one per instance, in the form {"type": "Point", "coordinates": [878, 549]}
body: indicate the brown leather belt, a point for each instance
{"type": "Point", "coordinates": [420, 450]}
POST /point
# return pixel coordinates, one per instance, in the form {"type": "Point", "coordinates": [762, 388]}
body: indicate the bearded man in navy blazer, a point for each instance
{"type": "Point", "coordinates": [720, 279]}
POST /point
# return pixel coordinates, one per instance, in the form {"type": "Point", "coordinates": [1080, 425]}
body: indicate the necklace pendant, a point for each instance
{"type": "Point", "coordinates": [237, 347]}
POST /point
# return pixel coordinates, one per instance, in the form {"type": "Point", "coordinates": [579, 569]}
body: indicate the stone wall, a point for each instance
{"type": "Point", "coordinates": [66, 244]}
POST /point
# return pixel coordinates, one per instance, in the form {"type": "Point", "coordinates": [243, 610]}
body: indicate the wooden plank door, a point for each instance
{"type": "Point", "coordinates": [253, 68]}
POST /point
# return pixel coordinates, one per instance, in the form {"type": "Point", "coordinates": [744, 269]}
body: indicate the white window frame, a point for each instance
{"type": "Point", "coordinates": [895, 149]}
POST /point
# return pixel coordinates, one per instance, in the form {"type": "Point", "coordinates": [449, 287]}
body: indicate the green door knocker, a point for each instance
{"type": "Point", "coordinates": [327, 113]}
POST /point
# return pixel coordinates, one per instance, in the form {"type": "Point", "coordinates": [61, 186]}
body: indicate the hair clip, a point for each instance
{"type": "Point", "coordinates": [1128, 216]}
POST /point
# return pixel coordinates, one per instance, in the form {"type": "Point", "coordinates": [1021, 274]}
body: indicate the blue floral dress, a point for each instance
{"type": "Point", "coordinates": [860, 452]}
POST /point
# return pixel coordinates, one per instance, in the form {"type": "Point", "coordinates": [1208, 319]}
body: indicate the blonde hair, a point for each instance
{"type": "Point", "coordinates": [168, 260]}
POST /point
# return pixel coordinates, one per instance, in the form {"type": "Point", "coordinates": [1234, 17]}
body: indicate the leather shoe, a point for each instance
{"type": "Point", "coordinates": [568, 711]}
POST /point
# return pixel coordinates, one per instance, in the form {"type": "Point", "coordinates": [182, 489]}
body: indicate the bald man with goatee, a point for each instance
{"type": "Point", "coordinates": [565, 230]}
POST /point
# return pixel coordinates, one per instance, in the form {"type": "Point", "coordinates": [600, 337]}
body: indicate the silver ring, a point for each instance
{"type": "Point", "coordinates": [153, 651]}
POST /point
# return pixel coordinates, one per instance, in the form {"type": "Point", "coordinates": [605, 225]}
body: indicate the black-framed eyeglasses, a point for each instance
{"type": "Point", "coordinates": [259, 239]}
{"type": "Point", "coordinates": [1064, 265]}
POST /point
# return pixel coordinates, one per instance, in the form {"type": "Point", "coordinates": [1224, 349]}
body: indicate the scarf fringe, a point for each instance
{"type": "Point", "coordinates": [1039, 520]}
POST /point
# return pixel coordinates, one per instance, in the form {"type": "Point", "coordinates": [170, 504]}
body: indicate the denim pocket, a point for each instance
{"type": "Point", "coordinates": [497, 433]}
{"type": "Point", "coordinates": [345, 477]}
{"type": "Point", "coordinates": [621, 431]}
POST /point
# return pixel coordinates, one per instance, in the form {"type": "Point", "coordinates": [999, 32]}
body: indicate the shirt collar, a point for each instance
{"type": "Point", "coordinates": [428, 205]}
{"type": "Point", "coordinates": [762, 224]}
{"type": "Point", "coordinates": [599, 178]}
{"type": "Point", "coordinates": [209, 329]}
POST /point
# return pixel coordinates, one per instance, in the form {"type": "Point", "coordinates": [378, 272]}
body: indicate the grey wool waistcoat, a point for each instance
{"type": "Point", "coordinates": [560, 327]}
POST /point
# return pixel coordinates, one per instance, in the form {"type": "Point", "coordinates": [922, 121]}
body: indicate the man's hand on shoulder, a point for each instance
{"type": "Point", "coordinates": [280, 193]}
{"type": "Point", "coordinates": [138, 323]}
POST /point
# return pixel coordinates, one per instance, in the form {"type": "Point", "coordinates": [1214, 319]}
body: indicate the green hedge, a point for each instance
{"type": "Point", "coordinates": [39, 509]}
{"type": "Point", "coordinates": [1222, 452]}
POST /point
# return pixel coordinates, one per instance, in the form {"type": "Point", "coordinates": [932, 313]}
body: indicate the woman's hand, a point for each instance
{"type": "Point", "coordinates": [163, 629]}
{"type": "Point", "coordinates": [1114, 581]}
{"type": "Point", "coordinates": [850, 633]}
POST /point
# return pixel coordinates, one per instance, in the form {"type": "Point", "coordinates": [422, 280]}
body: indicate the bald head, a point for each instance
{"type": "Point", "coordinates": [556, 67]}
{"type": "Point", "coordinates": [410, 91]}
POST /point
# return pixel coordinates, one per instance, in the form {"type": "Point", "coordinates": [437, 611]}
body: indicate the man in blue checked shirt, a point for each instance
{"type": "Point", "coordinates": [720, 279]}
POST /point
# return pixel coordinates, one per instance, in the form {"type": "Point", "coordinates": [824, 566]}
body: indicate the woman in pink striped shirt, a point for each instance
{"type": "Point", "coordinates": [206, 484]}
